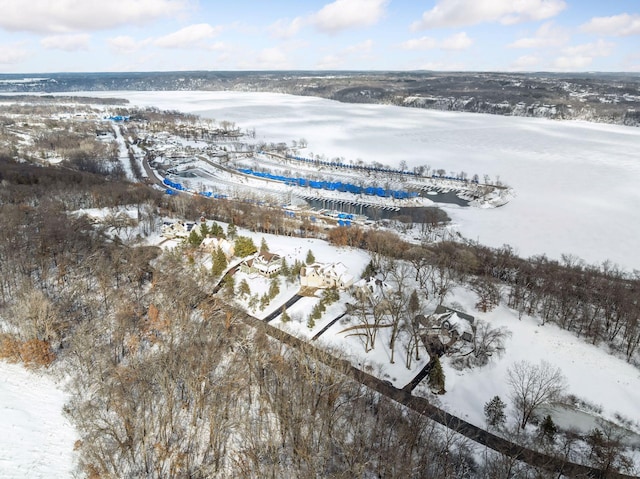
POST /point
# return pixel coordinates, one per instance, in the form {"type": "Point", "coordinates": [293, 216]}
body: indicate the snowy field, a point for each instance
{"type": "Point", "coordinates": [36, 440]}
{"type": "Point", "coordinates": [576, 182]}
{"type": "Point", "coordinates": [609, 384]}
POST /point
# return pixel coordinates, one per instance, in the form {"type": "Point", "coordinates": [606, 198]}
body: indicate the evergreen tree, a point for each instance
{"type": "Point", "coordinates": [274, 288]}
{"type": "Point", "coordinates": [219, 262]}
{"type": "Point", "coordinates": [264, 247]}
{"type": "Point", "coordinates": [436, 377]}
{"type": "Point", "coordinates": [232, 231]}
{"type": "Point", "coordinates": [244, 246]}
{"type": "Point", "coordinates": [318, 309]}
{"type": "Point", "coordinates": [284, 316]}
{"type": "Point", "coordinates": [370, 271]}
{"type": "Point", "coordinates": [494, 412]}
{"type": "Point", "coordinates": [295, 269]}
{"type": "Point", "coordinates": [244, 289]}
{"type": "Point", "coordinates": [264, 301]}
{"type": "Point", "coordinates": [253, 302]}
{"type": "Point", "coordinates": [204, 230]}
{"type": "Point", "coordinates": [216, 230]}
{"type": "Point", "coordinates": [285, 270]}
{"type": "Point", "coordinates": [548, 429]}
{"type": "Point", "coordinates": [310, 258]}
{"type": "Point", "coordinates": [330, 296]}
{"type": "Point", "coordinates": [229, 285]}
{"type": "Point", "coordinates": [194, 239]}
{"type": "Point", "coordinates": [311, 323]}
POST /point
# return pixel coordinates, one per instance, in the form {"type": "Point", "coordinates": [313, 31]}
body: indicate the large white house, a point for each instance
{"type": "Point", "coordinates": [178, 229]}
{"type": "Point", "coordinates": [266, 264]}
{"type": "Point", "coordinates": [325, 275]}
{"type": "Point", "coordinates": [210, 245]}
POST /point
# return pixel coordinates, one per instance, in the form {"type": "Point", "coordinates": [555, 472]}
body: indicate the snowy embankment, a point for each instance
{"type": "Point", "coordinates": [37, 440]}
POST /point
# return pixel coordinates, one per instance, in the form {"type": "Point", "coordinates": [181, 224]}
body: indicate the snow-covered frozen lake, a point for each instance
{"type": "Point", "coordinates": [577, 183]}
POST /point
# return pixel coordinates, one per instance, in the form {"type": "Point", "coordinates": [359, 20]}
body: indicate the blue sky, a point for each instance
{"type": "Point", "coordinates": [39, 36]}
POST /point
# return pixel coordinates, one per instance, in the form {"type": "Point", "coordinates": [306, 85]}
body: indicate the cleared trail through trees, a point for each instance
{"type": "Point", "coordinates": [422, 406]}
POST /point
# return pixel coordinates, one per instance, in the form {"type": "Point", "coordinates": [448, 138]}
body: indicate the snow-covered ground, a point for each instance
{"type": "Point", "coordinates": [609, 384]}
{"type": "Point", "coordinates": [576, 182]}
{"type": "Point", "coordinates": [606, 382]}
{"type": "Point", "coordinates": [576, 186]}
{"type": "Point", "coordinates": [37, 440]}
{"type": "Point", "coordinates": [123, 154]}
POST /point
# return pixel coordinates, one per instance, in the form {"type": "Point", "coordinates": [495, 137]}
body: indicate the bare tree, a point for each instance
{"type": "Point", "coordinates": [397, 300]}
{"type": "Point", "coordinates": [488, 341]}
{"type": "Point", "coordinates": [606, 449]}
{"type": "Point", "coordinates": [533, 385]}
{"type": "Point", "coordinates": [488, 293]}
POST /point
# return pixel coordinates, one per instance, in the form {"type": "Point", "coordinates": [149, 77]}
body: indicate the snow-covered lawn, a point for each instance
{"type": "Point", "coordinates": [593, 375]}
{"type": "Point", "coordinates": [606, 382]}
{"type": "Point", "coordinates": [36, 440]}
{"type": "Point", "coordinates": [292, 249]}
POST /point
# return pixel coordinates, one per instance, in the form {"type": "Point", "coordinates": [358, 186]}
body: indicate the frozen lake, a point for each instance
{"type": "Point", "coordinates": [577, 183]}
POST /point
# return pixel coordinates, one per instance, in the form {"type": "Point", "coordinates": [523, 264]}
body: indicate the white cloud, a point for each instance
{"type": "Point", "coordinates": [13, 53]}
{"type": "Point", "coordinates": [618, 25]}
{"type": "Point", "coordinates": [601, 48]}
{"type": "Point", "coordinates": [125, 44]}
{"type": "Point", "coordinates": [345, 14]}
{"type": "Point", "coordinates": [422, 43]}
{"type": "Point", "coordinates": [458, 41]}
{"type": "Point", "coordinates": [285, 28]}
{"type": "Point", "coordinates": [579, 57]}
{"type": "Point", "coordinates": [348, 55]}
{"type": "Point", "coordinates": [218, 47]}
{"type": "Point", "coordinates": [525, 62]}
{"type": "Point", "coordinates": [188, 37]}
{"type": "Point", "coordinates": [330, 62]}
{"type": "Point", "coordinates": [68, 43]}
{"type": "Point", "coordinates": [63, 16]}
{"type": "Point", "coordinates": [359, 48]}
{"type": "Point", "coordinates": [458, 13]}
{"type": "Point", "coordinates": [271, 59]}
{"type": "Point", "coordinates": [572, 63]}
{"type": "Point", "coordinates": [333, 17]}
{"type": "Point", "coordinates": [548, 35]}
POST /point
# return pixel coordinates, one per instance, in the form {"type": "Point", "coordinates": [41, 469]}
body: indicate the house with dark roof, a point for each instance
{"type": "Point", "coordinates": [458, 324]}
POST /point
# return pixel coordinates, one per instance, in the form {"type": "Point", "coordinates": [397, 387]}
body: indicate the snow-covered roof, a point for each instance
{"type": "Point", "coordinates": [374, 286]}
{"type": "Point", "coordinates": [337, 271]}
{"type": "Point", "coordinates": [212, 243]}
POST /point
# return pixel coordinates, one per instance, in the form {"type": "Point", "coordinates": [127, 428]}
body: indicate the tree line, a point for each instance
{"type": "Point", "coordinates": [598, 303]}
